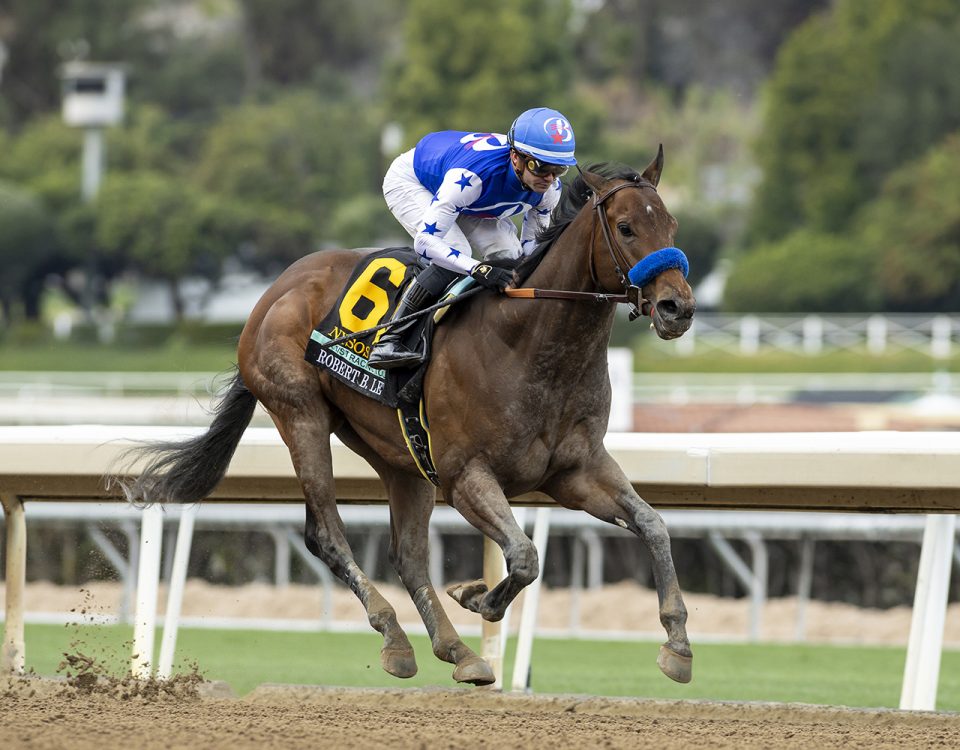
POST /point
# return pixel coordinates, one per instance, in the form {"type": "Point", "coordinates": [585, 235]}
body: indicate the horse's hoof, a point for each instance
{"type": "Point", "coordinates": [492, 615]}
{"type": "Point", "coordinates": [468, 595]}
{"type": "Point", "coordinates": [400, 662]}
{"type": "Point", "coordinates": [675, 666]}
{"type": "Point", "coordinates": [475, 671]}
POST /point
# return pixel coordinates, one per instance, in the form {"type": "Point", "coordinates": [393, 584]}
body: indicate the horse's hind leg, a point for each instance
{"type": "Point", "coordinates": [308, 437]}
{"type": "Point", "coordinates": [603, 491]}
{"type": "Point", "coordinates": [411, 503]}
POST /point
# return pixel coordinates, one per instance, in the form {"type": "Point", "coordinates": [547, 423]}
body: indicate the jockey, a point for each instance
{"type": "Point", "coordinates": [455, 193]}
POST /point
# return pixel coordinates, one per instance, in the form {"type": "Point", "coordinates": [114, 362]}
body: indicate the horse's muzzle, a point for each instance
{"type": "Point", "coordinates": [672, 317]}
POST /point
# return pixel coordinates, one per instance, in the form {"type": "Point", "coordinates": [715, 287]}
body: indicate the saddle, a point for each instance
{"type": "Point", "coordinates": [369, 299]}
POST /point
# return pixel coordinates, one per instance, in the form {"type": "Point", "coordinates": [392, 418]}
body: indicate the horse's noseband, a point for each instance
{"type": "Point", "coordinates": [640, 274]}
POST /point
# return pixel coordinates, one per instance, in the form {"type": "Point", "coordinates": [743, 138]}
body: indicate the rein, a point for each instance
{"type": "Point", "coordinates": [533, 293]}
{"type": "Point", "coordinates": [619, 259]}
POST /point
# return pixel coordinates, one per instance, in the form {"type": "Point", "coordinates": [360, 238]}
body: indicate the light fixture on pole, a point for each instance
{"type": "Point", "coordinates": [93, 95]}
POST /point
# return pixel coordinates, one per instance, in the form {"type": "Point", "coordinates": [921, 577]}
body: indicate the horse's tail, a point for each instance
{"type": "Point", "coordinates": [188, 471]}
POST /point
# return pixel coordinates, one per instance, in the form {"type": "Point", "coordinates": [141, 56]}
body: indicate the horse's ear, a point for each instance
{"type": "Point", "coordinates": [593, 181]}
{"type": "Point", "coordinates": [654, 169]}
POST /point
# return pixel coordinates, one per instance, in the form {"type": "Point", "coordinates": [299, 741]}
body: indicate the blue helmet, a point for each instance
{"type": "Point", "coordinates": [545, 134]}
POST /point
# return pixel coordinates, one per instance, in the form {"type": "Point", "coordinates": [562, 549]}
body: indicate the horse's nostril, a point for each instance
{"type": "Point", "coordinates": [667, 309]}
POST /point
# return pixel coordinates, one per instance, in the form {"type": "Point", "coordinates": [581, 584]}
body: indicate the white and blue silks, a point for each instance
{"type": "Point", "coordinates": [455, 193]}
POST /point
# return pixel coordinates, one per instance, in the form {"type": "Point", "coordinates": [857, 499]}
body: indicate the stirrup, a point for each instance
{"type": "Point", "coordinates": [390, 351]}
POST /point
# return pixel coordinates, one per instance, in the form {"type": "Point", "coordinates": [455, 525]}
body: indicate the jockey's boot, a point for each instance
{"type": "Point", "coordinates": [390, 351]}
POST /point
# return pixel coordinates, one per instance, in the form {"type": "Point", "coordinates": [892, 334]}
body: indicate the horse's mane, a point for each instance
{"type": "Point", "coordinates": [572, 199]}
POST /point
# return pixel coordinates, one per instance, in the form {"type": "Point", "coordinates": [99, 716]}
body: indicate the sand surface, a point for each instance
{"type": "Point", "coordinates": [56, 716]}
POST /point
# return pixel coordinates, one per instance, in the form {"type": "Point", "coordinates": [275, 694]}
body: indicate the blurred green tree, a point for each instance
{"type": "Point", "coordinates": [154, 223]}
{"type": "Point", "coordinates": [700, 236]}
{"type": "Point", "coordinates": [28, 245]}
{"type": "Point", "coordinates": [919, 102]}
{"type": "Point", "coordinates": [842, 80]}
{"type": "Point", "coordinates": [675, 44]}
{"type": "Point", "coordinates": [477, 66]}
{"type": "Point", "coordinates": [300, 155]}
{"type": "Point", "coordinates": [804, 272]}
{"type": "Point", "coordinates": [297, 42]}
{"type": "Point", "coordinates": [41, 34]}
{"type": "Point", "coordinates": [45, 159]}
{"type": "Point", "coordinates": [913, 231]}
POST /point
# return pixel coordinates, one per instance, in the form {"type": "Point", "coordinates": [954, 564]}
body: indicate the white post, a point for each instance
{"type": "Point", "coordinates": [620, 370]}
{"type": "Point", "coordinates": [686, 345]}
{"type": "Point", "coordinates": [12, 657]}
{"type": "Point", "coordinates": [804, 586]}
{"type": "Point", "coordinates": [922, 671]}
{"type": "Point", "coordinates": [758, 582]}
{"type": "Point", "coordinates": [876, 334]}
{"type": "Point", "coordinates": [92, 163]}
{"type": "Point", "coordinates": [531, 605]}
{"type": "Point", "coordinates": [178, 578]}
{"type": "Point", "coordinates": [812, 335]}
{"type": "Point", "coordinates": [491, 649]}
{"type": "Point", "coordinates": [749, 334]}
{"type": "Point", "coordinates": [940, 337]}
{"type": "Point", "coordinates": [148, 582]}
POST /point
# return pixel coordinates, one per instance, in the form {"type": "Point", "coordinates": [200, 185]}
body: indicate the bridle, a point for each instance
{"type": "Point", "coordinates": [631, 293]}
{"type": "Point", "coordinates": [616, 252]}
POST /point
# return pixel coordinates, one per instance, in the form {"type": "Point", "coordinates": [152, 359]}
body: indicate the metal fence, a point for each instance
{"type": "Point", "coordinates": [933, 335]}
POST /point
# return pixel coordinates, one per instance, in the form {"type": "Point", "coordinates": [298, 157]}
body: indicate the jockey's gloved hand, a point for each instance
{"type": "Point", "coordinates": [492, 277]}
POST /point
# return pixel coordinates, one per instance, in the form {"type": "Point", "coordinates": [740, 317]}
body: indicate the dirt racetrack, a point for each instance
{"type": "Point", "coordinates": [52, 715]}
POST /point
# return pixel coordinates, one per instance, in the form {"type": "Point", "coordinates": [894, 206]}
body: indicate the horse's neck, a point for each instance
{"type": "Point", "coordinates": [562, 328]}
{"type": "Point", "coordinates": [567, 264]}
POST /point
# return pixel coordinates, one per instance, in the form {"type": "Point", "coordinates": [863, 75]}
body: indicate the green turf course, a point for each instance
{"type": "Point", "coordinates": [829, 675]}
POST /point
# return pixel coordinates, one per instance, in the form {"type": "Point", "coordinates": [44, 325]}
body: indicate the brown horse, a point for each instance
{"type": "Point", "coordinates": [517, 398]}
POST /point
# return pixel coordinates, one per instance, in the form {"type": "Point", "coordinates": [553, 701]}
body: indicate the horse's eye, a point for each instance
{"type": "Point", "coordinates": [625, 230]}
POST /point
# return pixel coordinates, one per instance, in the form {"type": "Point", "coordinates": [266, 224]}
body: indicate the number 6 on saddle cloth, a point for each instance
{"type": "Point", "coordinates": [369, 299]}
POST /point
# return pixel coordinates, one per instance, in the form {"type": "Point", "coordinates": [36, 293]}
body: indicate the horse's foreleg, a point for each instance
{"type": "Point", "coordinates": [480, 500]}
{"type": "Point", "coordinates": [411, 503]}
{"type": "Point", "coordinates": [309, 441]}
{"type": "Point", "coordinates": [603, 491]}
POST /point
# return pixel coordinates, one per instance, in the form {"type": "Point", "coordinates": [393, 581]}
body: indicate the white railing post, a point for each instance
{"type": "Point", "coordinates": [922, 671]}
{"type": "Point", "coordinates": [812, 335]}
{"type": "Point", "coordinates": [687, 344]}
{"type": "Point", "coordinates": [531, 606]}
{"type": "Point", "coordinates": [492, 633]}
{"type": "Point", "coordinates": [940, 333]}
{"type": "Point", "coordinates": [749, 334]}
{"type": "Point", "coordinates": [148, 583]}
{"type": "Point", "coordinates": [178, 579]}
{"type": "Point", "coordinates": [12, 658]}
{"type": "Point", "coordinates": [876, 334]}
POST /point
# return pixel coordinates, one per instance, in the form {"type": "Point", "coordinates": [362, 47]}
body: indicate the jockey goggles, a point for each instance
{"type": "Point", "coordinates": [541, 168]}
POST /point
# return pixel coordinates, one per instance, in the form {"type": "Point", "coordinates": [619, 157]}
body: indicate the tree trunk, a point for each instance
{"type": "Point", "coordinates": [177, 299]}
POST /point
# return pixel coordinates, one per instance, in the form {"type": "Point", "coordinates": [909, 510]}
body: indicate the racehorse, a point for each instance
{"type": "Point", "coordinates": [517, 397]}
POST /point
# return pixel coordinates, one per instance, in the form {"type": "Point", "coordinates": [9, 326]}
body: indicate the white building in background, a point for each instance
{"type": "Point", "coordinates": [709, 292]}
{"type": "Point", "coordinates": [229, 301]}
